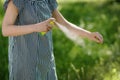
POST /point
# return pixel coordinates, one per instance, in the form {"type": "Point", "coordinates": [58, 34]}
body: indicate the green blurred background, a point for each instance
{"type": "Point", "coordinates": [90, 61]}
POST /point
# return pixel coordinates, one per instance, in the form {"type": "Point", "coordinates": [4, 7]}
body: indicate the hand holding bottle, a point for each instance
{"type": "Point", "coordinates": [45, 26]}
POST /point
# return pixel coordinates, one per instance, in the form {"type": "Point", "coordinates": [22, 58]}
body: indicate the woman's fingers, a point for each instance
{"type": "Point", "coordinates": [49, 26]}
{"type": "Point", "coordinates": [97, 37]}
{"type": "Point", "coordinates": [51, 20]}
{"type": "Point", "coordinates": [100, 37]}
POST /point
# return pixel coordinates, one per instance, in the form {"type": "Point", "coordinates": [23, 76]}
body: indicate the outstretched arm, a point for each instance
{"type": "Point", "coordinates": [95, 36]}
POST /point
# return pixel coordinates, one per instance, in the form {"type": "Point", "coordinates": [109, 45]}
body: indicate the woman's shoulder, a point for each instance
{"type": "Point", "coordinates": [18, 3]}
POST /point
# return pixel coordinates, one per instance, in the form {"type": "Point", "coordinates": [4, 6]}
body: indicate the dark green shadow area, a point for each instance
{"type": "Point", "coordinates": [3, 49]}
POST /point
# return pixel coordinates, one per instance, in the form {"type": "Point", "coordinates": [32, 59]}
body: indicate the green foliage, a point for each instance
{"type": "Point", "coordinates": [75, 62]}
{"type": "Point", "coordinates": [92, 61]}
{"type": "Point", "coordinates": [3, 51]}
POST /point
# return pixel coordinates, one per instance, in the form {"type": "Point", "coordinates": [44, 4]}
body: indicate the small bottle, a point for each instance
{"type": "Point", "coordinates": [43, 33]}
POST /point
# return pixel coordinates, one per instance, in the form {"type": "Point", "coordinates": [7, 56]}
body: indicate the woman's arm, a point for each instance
{"type": "Point", "coordinates": [9, 29]}
{"type": "Point", "coordinates": [95, 36]}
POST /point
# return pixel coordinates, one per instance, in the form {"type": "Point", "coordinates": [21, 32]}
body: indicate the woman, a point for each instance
{"type": "Point", "coordinates": [31, 53]}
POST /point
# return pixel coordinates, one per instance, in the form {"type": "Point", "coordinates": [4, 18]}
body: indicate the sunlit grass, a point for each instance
{"type": "Point", "coordinates": [63, 1]}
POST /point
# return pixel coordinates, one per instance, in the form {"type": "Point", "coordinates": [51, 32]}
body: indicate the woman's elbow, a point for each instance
{"type": "Point", "coordinates": [4, 31]}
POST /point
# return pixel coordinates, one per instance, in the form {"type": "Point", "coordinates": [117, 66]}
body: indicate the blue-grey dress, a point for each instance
{"type": "Point", "coordinates": [31, 56]}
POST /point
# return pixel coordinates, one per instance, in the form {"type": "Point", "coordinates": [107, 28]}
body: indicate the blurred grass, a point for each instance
{"type": "Point", "coordinates": [3, 49]}
{"type": "Point", "coordinates": [68, 1]}
{"type": "Point", "coordinates": [92, 61]}
{"type": "Point", "coordinates": [75, 62]}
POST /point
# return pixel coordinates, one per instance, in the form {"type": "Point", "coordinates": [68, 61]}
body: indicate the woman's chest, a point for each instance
{"type": "Point", "coordinates": [35, 11]}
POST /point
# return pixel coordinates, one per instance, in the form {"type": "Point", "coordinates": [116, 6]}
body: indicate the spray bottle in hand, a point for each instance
{"type": "Point", "coordinates": [52, 24]}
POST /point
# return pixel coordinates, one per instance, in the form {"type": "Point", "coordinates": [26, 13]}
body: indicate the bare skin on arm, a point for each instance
{"type": "Point", "coordinates": [9, 29]}
{"type": "Point", "coordinates": [95, 36]}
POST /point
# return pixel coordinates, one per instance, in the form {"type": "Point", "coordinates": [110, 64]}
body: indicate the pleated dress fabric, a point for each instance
{"type": "Point", "coordinates": [31, 55]}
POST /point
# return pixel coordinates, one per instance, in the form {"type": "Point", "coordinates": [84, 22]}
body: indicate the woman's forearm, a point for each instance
{"type": "Point", "coordinates": [13, 30]}
{"type": "Point", "coordinates": [95, 36]}
{"type": "Point", "coordinates": [17, 30]}
{"type": "Point", "coordinates": [73, 28]}
{"type": "Point", "coordinates": [76, 29]}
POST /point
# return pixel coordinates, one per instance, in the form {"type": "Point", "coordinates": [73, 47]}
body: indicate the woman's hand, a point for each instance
{"type": "Point", "coordinates": [44, 26]}
{"type": "Point", "coordinates": [95, 36]}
